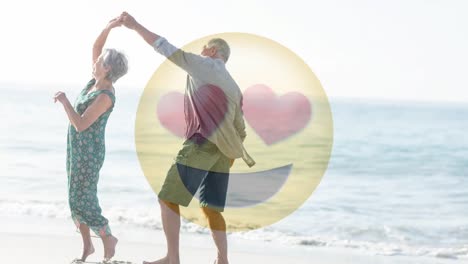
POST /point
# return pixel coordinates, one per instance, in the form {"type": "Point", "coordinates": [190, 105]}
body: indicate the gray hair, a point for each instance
{"type": "Point", "coordinates": [117, 62]}
{"type": "Point", "coordinates": [221, 47]}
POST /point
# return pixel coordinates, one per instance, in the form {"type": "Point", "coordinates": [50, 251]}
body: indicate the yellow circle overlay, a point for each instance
{"type": "Point", "coordinates": [254, 60]}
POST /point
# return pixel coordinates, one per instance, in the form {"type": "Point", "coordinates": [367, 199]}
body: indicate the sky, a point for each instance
{"type": "Point", "coordinates": [408, 50]}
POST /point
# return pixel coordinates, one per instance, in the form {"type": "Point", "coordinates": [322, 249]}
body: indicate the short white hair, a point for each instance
{"type": "Point", "coordinates": [221, 46]}
{"type": "Point", "coordinates": [118, 63]}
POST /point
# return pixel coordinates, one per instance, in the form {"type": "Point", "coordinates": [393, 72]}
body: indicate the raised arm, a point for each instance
{"type": "Point", "coordinates": [193, 64]}
{"type": "Point", "coordinates": [101, 39]}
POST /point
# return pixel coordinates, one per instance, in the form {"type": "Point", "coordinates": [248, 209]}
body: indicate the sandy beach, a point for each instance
{"type": "Point", "coordinates": [40, 240]}
{"type": "Point", "coordinates": [52, 241]}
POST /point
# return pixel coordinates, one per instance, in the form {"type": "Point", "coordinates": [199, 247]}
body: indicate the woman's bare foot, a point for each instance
{"type": "Point", "coordinates": [87, 250]}
{"type": "Point", "coordinates": [110, 243]}
{"type": "Point", "coordinates": [164, 260]}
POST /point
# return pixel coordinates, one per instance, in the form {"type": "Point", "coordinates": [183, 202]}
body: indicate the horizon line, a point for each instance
{"type": "Point", "coordinates": [390, 99]}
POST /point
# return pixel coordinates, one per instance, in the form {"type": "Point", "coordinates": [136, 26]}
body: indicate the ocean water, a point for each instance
{"type": "Point", "coordinates": [397, 181]}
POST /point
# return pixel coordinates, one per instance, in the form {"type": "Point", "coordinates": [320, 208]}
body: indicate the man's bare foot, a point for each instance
{"type": "Point", "coordinates": [221, 261]}
{"type": "Point", "coordinates": [110, 243]}
{"type": "Point", "coordinates": [87, 250]}
{"type": "Point", "coordinates": [164, 260]}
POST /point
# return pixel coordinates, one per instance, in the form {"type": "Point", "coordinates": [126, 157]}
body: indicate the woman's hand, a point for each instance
{"type": "Point", "coordinates": [81, 122]}
{"type": "Point", "coordinates": [61, 97]}
{"type": "Point", "coordinates": [115, 22]}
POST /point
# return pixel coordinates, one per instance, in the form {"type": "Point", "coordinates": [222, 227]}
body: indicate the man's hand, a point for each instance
{"type": "Point", "coordinates": [128, 20]}
{"type": "Point", "coordinates": [131, 23]}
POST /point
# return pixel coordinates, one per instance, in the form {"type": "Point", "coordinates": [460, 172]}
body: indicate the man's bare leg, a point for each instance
{"type": "Point", "coordinates": [170, 215]}
{"type": "Point", "coordinates": [88, 247]}
{"type": "Point", "coordinates": [217, 225]}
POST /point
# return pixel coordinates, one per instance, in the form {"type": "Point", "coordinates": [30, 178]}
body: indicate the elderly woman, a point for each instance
{"type": "Point", "coordinates": [85, 144]}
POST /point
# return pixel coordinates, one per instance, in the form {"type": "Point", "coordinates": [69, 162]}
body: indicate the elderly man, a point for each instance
{"type": "Point", "coordinates": [214, 138]}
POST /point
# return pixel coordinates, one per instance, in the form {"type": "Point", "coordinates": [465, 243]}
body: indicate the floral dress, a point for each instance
{"type": "Point", "coordinates": [85, 156]}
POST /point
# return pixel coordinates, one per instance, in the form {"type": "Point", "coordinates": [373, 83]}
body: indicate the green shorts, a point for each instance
{"type": "Point", "coordinates": [199, 166]}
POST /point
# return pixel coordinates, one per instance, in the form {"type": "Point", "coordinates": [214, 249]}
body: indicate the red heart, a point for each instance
{"type": "Point", "coordinates": [275, 118]}
{"type": "Point", "coordinates": [211, 108]}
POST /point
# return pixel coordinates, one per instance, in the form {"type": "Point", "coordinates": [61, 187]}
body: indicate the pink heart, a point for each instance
{"type": "Point", "coordinates": [275, 118]}
{"type": "Point", "coordinates": [211, 109]}
{"type": "Point", "coordinates": [170, 111]}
